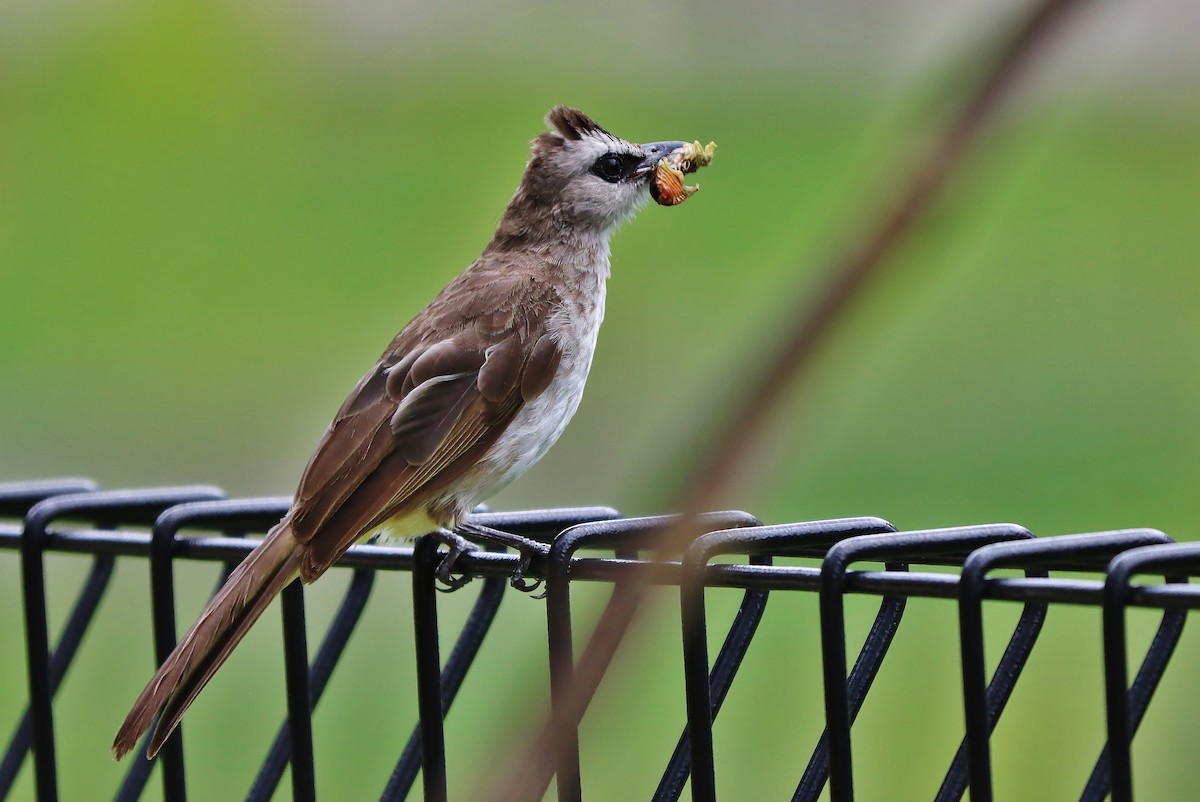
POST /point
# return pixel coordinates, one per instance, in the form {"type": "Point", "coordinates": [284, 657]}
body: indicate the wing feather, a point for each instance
{"type": "Point", "coordinates": [436, 401]}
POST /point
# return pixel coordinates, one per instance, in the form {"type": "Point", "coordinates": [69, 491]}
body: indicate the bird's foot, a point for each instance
{"type": "Point", "coordinates": [458, 546]}
{"type": "Point", "coordinates": [518, 580]}
{"type": "Point", "coordinates": [527, 549]}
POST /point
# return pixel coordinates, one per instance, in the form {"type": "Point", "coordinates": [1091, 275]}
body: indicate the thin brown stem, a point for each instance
{"type": "Point", "coordinates": [726, 459]}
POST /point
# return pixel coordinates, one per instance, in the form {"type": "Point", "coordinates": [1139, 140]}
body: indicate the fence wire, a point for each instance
{"type": "Point", "coordinates": [562, 547]}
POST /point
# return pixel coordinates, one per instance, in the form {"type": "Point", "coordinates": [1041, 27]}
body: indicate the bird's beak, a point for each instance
{"type": "Point", "coordinates": [654, 152]}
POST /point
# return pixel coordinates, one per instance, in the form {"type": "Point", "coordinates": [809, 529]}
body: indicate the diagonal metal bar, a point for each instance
{"type": "Point", "coordinates": [16, 500]}
{"type": "Point", "coordinates": [866, 668]}
{"type": "Point", "coordinates": [1127, 705]}
{"type": "Point", "coordinates": [230, 517]}
{"type": "Point", "coordinates": [618, 534]}
{"type": "Point", "coordinates": [537, 525]}
{"type": "Point", "coordinates": [927, 545]}
{"type": "Point", "coordinates": [102, 509]}
{"type": "Point", "coordinates": [1145, 683]}
{"type": "Point", "coordinates": [337, 636]}
{"type": "Point", "coordinates": [466, 647]}
{"type": "Point", "coordinates": [705, 694]}
{"type": "Point", "coordinates": [729, 659]}
{"type": "Point", "coordinates": [174, 787]}
{"type": "Point", "coordinates": [1074, 551]}
{"type": "Point", "coordinates": [64, 652]}
{"type": "Point", "coordinates": [999, 690]}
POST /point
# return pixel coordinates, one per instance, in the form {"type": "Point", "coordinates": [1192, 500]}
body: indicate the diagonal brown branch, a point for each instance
{"type": "Point", "coordinates": [726, 459]}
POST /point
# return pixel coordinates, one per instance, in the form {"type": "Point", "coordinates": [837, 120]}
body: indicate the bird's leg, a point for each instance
{"type": "Point", "coordinates": [526, 548]}
{"type": "Point", "coordinates": [458, 546]}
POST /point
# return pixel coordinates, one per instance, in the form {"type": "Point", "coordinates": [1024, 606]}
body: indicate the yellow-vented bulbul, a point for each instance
{"type": "Point", "coordinates": [471, 393]}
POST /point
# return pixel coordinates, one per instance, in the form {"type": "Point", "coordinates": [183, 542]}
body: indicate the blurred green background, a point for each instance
{"type": "Point", "coordinates": [213, 216]}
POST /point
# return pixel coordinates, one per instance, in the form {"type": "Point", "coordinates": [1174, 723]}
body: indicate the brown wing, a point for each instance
{"type": "Point", "coordinates": [439, 397]}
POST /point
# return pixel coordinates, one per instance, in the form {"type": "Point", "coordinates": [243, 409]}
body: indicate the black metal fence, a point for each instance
{"type": "Point", "coordinates": [72, 516]}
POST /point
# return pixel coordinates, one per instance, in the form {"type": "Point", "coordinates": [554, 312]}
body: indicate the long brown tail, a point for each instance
{"type": "Point", "coordinates": [206, 646]}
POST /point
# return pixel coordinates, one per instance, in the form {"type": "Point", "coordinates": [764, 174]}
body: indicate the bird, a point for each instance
{"type": "Point", "coordinates": [468, 396]}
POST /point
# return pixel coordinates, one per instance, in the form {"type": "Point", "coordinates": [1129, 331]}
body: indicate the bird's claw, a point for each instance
{"type": "Point", "coordinates": [525, 547]}
{"type": "Point", "coordinates": [518, 580]}
{"type": "Point", "coordinates": [458, 546]}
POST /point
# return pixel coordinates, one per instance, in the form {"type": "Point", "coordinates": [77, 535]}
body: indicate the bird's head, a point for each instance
{"type": "Point", "coordinates": [581, 179]}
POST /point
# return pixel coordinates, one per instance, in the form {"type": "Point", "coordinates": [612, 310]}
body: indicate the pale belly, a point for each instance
{"type": "Point", "coordinates": [534, 429]}
{"type": "Point", "coordinates": [539, 423]}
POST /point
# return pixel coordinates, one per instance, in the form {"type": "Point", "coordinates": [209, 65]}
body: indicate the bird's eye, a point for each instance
{"type": "Point", "coordinates": [610, 167]}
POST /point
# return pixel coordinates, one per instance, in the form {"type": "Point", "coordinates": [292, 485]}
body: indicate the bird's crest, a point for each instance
{"type": "Point", "coordinates": [573, 124]}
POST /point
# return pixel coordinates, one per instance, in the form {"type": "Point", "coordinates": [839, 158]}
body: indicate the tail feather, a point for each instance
{"type": "Point", "coordinates": [206, 646]}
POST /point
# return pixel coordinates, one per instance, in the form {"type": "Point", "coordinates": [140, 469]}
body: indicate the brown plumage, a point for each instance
{"type": "Point", "coordinates": [468, 395]}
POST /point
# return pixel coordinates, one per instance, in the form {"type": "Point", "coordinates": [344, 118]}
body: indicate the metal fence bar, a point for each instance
{"type": "Point", "coordinates": [717, 684]}
{"type": "Point", "coordinates": [230, 517]}
{"type": "Point", "coordinates": [1151, 671]}
{"type": "Point", "coordinates": [1125, 707]}
{"type": "Point", "coordinates": [478, 623]}
{"type": "Point", "coordinates": [174, 785]}
{"type": "Point", "coordinates": [704, 693]}
{"type": "Point", "coordinates": [81, 615]}
{"type": "Point", "coordinates": [616, 534]}
{"type": "Point", "coordinates": [112, 508]}
{"type": "Point", "coordinates": [337, 636]}
{"type": "Point", "coordinates": [999, 690]}
{"type": "Point", "coordinates": [71, 517]}
{"type": "Point", "coordinates": [429, 668]}
{"type": "Point", "coordinates": [538, 525]}
{"type": "Point", "coordinates": [1058, 552]}
{"type": "Point", "coordinates": [299, 697]}
{"type": "Point", "coordinates": [923, 545]}
{"type": "Point", "coordinates": [16, 499]}
{"type": "Point", "coordinates": [1085, 592]}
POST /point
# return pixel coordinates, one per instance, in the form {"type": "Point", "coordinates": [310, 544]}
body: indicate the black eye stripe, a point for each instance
{"type": "Point", "coordinates": [614, 167]}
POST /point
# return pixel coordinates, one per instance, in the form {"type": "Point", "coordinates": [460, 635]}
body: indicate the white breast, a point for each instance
{"type": "Point", "coordinates": [539, 423]}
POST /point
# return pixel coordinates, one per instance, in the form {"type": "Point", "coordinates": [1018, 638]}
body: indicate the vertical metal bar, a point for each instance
{"type": "Point", "coordinates": [462, 656]}
{"type": "Point", "coordinates": [105, 509]}
{"type": "Point", "coordinates": [531, 523]}
{"type": "Point", "coordinates": [1125, 706]}
{"type": "Point", "coordinates": [299, 700]}
{"type": "Point", "coordinates": [833, 667]}
{"type": "Point", "coordinates": [866, 668]}
{"type": "Point", "coordinates": [1004, 680]}
{"type": "Point", "coordinates": [1116, 679]}
{"type": "Point", "coordinates": [561, 653]}
{"type": "Point", "coordinates": [332, 646]}
{"type": "Point", "coordinates": [911, 546]}
{"type": "Point", "coordinates": [231, 517]}
{"type": "Point", "coordinates": [174, 788]}
{"type": "Point", "coordinates": [37, 650]}
{"type": "Point", "coordinates": [622, 533]}
{"type": "Point", "coordinates": [1154, 665]}
{"type": "Point", "coordinates": [429, 679]}
{"type": "Point", "coordinates": [80, 618]}
{"type": "Point", "coordinates": [162, 614]}
{"type": "Point", "coordinates": [1073, 549]}
{"type": "Point", "coordinates": [724, 671]}
{"type": "Point", "coordinates": [696, 688]}
{"type": "Point", "coordinates": [705, 693]}
{"type": "Point", "coordinates": [974, 668]}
